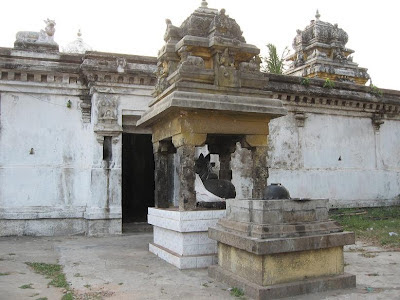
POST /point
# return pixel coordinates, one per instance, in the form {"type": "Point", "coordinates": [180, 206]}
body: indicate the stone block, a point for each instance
{"type": "Point", "coordinates": [181, 237]}
{"type": "Point", "coordinates": [279, 268]}
{"type": "Point", "coordinates": [277, 211]}
{"type": "Point", "coordinates": [183, 262]}
{"type": "Point", "coordinates": [104, 227]}
{"type": "Point", "coordinates": [281, 245]}
{"type": "Point", "coordinates": [307, 286]}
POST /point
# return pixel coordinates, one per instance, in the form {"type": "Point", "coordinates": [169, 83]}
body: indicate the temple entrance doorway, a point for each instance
{"type": "Point", "coordinates": [137, 178]}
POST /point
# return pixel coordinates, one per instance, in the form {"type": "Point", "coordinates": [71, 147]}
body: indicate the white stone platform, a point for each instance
{"type": "Point", "coordinates": [181, 237]}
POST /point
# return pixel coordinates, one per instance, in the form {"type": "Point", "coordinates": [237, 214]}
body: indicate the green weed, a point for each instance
{"type": "Point", "coordinates": [237, 292]}
{"type": "Point", "coordinates": [372, 224]}
{"type": "Point", "coordinates": [26, 286]}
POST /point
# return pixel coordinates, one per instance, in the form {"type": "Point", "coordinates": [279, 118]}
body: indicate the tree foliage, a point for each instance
{"type": "Point", "coordinates": [274, 63]}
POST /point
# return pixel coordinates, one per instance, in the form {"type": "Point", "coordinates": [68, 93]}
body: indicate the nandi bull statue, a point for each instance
{"type": "Point", "coordinates": [43, 40]}
{"type": "Point", "coordinates": [208, 187]}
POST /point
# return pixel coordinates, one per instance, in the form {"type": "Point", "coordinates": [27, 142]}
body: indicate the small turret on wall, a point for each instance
{"type": "Point", "coordinates": [320, 51]}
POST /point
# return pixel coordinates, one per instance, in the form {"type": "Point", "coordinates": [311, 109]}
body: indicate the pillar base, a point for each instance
{"type": "Point", "coordinates": [290, 289]}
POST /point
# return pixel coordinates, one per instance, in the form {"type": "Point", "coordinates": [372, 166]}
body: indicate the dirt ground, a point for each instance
{"type": "Point", "coordinates": [120, 267]}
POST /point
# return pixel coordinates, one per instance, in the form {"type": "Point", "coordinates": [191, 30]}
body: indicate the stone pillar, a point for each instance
{"type": "Point", "coordinates": [160, 179]}
{"type": "Point", "coordinates": [162, 173]}
{"type": "Point", "coordinates": [225, 171]}
{"type": "Point", "coordinates": [185, 146]}
{"type": "Point", "coordinates": [186, 173]}
{"type": "Point", "coordinates": [259, 153]}
{"type": "Point", "coordinates": [224, 146]}
{"type": "Point", "coordinates": [260, 171]}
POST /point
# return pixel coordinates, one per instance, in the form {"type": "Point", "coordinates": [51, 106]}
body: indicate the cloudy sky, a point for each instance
{"type": "Point", "coordinates": [137, 26]}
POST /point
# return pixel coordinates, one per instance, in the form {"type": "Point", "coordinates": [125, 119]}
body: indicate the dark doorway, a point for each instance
{"type": "Point", "coordinates": [137, 177]}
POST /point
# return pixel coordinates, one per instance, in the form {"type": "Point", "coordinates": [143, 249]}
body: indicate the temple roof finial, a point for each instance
{"type": "Point", "coordinates": [204, 3]}
{"type": "Point", "coordinates": [317, 15]}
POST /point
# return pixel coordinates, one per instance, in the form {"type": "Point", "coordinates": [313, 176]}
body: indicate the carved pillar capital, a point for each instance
{"type": "Point", "coordinates": [300, 118]}
{"type": "Point", "coordinates": [377, 121]}
{"type": "Point", "coordinates": [193, 139]}
{"type": "Point", "coordinates": [255, 140]}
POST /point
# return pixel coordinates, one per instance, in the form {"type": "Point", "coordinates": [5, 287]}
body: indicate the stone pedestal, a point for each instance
{"type": "Point", "coordinates": [181, 237]}
{"type": "Point", "coordinates": [280, 248]}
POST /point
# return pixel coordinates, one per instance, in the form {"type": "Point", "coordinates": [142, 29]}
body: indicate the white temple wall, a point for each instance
{"type": "Point", "coordinates": [337, 157]}
{"type": "Point", "coordinates": [45, 158]}
{"type": "Point", "coordinates": [51, 164]}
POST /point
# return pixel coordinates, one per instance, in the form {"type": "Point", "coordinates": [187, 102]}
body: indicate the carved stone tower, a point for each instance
{"type": "Point", "coordinates": [320, 51]}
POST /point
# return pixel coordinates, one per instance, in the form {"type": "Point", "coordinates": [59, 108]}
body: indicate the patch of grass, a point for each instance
{"type": "Point", "coordinates": [55, 273]}
{"type": "Point", "coordinates": [374, 90]}
{"type": "Point", "coordinates": [237, 292]}
{"type": "Point", "coordinates": [11, 254]}
{"type": "Point", "coordinates": [77, 275]}
{"type": "Point", "coordinates": [42, 298]}
{"type": "Point", "coordinates": [305, 81]}
{"type": "Point", "coordinates": [371, 224]}
{"type": "Point", "coordinates": [5, 274]}
{"type": "Point", "coordinates": [26, 286]}
{"type": "Point", "coordinates": [87, 286]}
{"type": "Point", "coordinates": [68, 296]}
{"type": "Point", "coordinates": [205, 284]}
{"type": "Point", "coordinates": [328, 84]}
{"type": "Point", "coordinates": [51, 271]}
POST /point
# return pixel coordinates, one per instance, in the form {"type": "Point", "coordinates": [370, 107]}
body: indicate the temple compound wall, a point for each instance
{"type": "Point", "coordinates": [341, 143]}
{"type": "Point", "coordinates": [63, 117]}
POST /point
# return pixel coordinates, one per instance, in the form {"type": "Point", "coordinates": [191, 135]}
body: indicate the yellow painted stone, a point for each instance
{"type": "Point", "coordinates": [240, 262]}
{"type": "Point", "coordinates": [211, 122]}
{"type": "Point", "coordinates": [293, 266]}
{"type": "Point", "coordinates": [323, 75]}
{"type": "Point", "coordinates": [194, 139]}
{"type": "Point", "coordinates": [281, 267]}
{"type": "Point", "coordinates": [257, 140]}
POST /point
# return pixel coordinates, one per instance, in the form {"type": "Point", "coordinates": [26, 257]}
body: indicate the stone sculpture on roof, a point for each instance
{"type": "Point", "coordinates": [43, 40]}
{"type": "Point", "coordinates": [212, 43]}
{"type": "Point", "coordinates": [320, 51]}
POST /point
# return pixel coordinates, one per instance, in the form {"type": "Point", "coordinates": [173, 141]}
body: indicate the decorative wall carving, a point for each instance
{"type": "Point", "coordinates": [107, 116]}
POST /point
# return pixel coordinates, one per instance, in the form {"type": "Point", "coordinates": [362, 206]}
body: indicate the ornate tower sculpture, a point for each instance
{"type": "Point", "coordinates": [209, 91]}
{"type": "Point", "coordinates": [320, 51]}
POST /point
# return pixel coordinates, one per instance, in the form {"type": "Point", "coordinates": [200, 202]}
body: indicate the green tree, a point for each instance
{"type": "Point", "coordinates": [274, 63]}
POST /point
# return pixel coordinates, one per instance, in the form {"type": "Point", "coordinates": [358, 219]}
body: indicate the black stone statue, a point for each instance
{"type": "Point", "coordinates": [219, 187]}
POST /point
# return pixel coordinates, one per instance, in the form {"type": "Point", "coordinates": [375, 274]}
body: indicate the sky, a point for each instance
{"type": "Point", "coordinates": [138, 26]}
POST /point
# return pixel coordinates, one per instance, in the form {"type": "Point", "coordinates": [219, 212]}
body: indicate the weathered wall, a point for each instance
{"type": "Point", "coordinates": [45, 161]}
{"type": "Point", "coordinates": [45, 152]}
{"type": "Point", "coordinates": [337, 157]}
{"type": "Point", "coordinates": [54, 114]}
{"type": "Point", "coordinates": [342, 144]}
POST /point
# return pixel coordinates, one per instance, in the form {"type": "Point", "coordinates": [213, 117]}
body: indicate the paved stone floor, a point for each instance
{"type": "Point", "coordinates": [120, 267]}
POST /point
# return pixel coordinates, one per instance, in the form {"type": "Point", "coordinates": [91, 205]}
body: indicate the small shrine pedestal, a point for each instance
{"type": "Point", "coordinates": [280, 248]}
{"type": "Point", "coordinates": [181, 237]}
{"type": "Point", "coordinates": [209, 91]}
